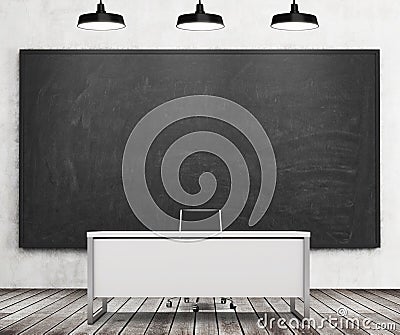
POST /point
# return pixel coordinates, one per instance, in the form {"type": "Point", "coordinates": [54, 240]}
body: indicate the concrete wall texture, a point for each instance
{"type": "Point", "coordinates": [344, 24]}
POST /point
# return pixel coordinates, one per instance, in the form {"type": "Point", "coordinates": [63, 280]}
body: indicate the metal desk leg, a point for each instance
{"type": "Point", "coordinates": [306, 284]}
{"type": "Point", "coordinates": [90, 295]}
{"type": "Point", "coordinates": [293, 309]}
{"type": "Point", "coordinates": [293, 305]}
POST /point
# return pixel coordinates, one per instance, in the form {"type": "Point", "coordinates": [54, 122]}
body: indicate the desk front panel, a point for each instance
{"type": "Point", "coordinates": [211, 267]}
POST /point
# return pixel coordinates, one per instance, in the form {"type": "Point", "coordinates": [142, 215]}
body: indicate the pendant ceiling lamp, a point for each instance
{"type": "Point", "coordinates": [101, 20]}
{"type": "Point", "coordinates": [200, 20]}
{"type": "Point", "coordinates": [294, 20]}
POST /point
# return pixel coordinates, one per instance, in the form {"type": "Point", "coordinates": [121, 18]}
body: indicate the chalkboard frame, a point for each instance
{"type": "Point", "coordinates": [374, 52]}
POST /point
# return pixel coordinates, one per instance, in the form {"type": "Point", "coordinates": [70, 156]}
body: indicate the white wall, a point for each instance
{"type": "Point", "coordinates": [151, 24]}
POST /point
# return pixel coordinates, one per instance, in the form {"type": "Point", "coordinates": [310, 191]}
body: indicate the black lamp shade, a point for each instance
{"type": "Point", "coordinates": [101, 20]}
{"type": "Point", "coordinates": [294, 20]}
{"type": "Point", "coordinates": [200, 21]}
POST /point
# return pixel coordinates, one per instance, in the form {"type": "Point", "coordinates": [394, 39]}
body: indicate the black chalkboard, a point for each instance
{"type": "Point", "coordinates": [319, 108]}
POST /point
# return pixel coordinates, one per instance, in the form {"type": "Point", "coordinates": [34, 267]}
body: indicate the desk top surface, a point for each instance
{"type": "Point", "coordinates": [198, 234]}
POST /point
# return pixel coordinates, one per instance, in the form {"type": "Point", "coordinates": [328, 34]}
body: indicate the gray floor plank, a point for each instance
{"type": "Point", "coordinates": [349, 320]}
{"type": "Point", "coordinates": [278, 305]}
{"type": "Point", "coordinates": [384, 301]}
{"type": "Point", "coordinates": [162, 321]}
{"type": "Point", "coordinates": [118, 321]}
{"type": "Point", "coordinates": [113, 306]}
{"type": "Point", "coordinates": [377, 318]}
{"type": "Point", "coordinates": [12, 293]}
{"type": "Point", "coordinates": [139, 323]}
{"type": "Point", "coordinates": [184, 319]}
{"type": "Point", "coordinates": [298, 329]}
{"type": "Point", "coordinates": [276, 308]}
{"type": "Point", "coordinates": [13, 296]}
{"type": "Point", "coordinates": [349, 303]}
{"type": "Point", "coordinates": [62, 312]}
{"type": "Point", "coordinates": [376, 307]}
{"type": "Point", "coordinates": [29, 315]}
{"type": "Point", "coordinates": [264, 310]}
{"type": "Point", "coordinates": [318, 305]}
{"type": "Point", "coordinates": [327, 328]}
{"type": "Point", "coordinates": [29, 311]}
{"type": "Point", "coordinates": [206, 321]}
{"type": "Point", "coordinates": [74, 320]}
{"type": "Point", "coordinates": [282, 309]}
{"type": "Point", "coordinates": [395, 293]}
{"type": "Point", "coordinates": [4, 291]}
{"type": "Point", "coordinates": [248, 318]}
{"type": "Point", "coordinates": [71, 304]}
{"type": "Point", "coordinates": [227, 320]}
{"type": "Point", "coordinates": [36, 318]}
{"type": "Point", "coordinates": [20, 300]}
{"type": "Point", "coordinates": [228, 323]}
{"type": "Point", "coordinates": [335, 305]}
{"type": "Point", "coordinates": [29, 301]}
{"type": "Point", "coordinates": [387, 295]}
{"type": "Point", "coordinates": [359, 308]}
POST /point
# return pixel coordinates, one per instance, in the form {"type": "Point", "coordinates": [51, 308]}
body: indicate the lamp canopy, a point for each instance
{"type": "Point", "coordinates": [294, 21]}
{"type": "Point", "coordinates": [200, 20]}
{"type": "Point", "coordinates": [101, 20]}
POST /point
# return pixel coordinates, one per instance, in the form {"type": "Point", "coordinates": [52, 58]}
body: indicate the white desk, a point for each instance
{"type": "Point", "coordinates": [231, 264]}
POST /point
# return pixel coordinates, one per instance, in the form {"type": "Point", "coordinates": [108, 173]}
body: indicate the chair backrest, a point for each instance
{"type": "Point", "coordinates": [203, 212]}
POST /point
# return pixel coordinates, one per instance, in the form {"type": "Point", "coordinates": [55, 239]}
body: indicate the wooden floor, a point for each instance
{"type": "Point", "coordinates": [60, 311]}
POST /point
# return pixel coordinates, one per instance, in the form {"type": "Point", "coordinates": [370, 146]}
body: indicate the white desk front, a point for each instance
{"type": "Point", "coordinates": [184, 264]}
